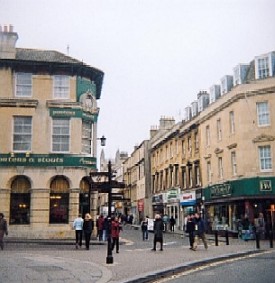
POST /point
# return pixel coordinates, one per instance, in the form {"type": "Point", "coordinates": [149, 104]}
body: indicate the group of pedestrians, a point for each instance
{"type": "Point", "coordinates": [195, 228]}
{"type": "Point", "coordinates": [85, 225]}
{"type": "Point", "coordinates": [103, 225]}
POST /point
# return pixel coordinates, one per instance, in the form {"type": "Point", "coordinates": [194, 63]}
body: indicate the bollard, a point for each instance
{"type": "Point", "coordinates": [216, 238]}
{"type": "Point", "coordinates": [226, 237]}
{"type": "Point", "coordinates": [257, 240]}
{"type": "Point", "coordinates": [271, 239]}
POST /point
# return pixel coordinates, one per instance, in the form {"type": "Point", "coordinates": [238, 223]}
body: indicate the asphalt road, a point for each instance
{"type": "Point", "coordinates": [257, 268]}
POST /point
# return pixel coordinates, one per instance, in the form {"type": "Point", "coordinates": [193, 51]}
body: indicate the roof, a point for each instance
{"type": "Point", "coordinates": [53, 61]}
{"type": "Point", "coordinates": [44, 56]}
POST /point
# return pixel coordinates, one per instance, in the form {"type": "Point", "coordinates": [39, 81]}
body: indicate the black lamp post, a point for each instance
{"type": "Point", "coordinates": [109, 258]}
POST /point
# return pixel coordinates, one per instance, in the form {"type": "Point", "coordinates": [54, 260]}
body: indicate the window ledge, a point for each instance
{"type": "Point", "coordinates": [18, 102]}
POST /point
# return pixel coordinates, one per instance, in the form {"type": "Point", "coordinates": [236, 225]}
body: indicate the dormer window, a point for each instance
{"type": "Point", "coordinates": [265, 66]}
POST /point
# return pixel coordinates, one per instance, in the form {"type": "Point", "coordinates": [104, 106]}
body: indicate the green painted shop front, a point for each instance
{"type": "Point", "coordinates": [228, 203]}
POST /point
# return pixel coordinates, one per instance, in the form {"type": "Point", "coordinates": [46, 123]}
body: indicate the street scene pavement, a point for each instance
{"type": "Point", "coordinates": [59, 261]}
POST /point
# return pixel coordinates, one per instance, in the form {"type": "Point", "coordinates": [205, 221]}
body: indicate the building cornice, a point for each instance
{"type": "Point", "coordinates": [18, 102]}
{"type": "Point", "coordinates": [264, 138]}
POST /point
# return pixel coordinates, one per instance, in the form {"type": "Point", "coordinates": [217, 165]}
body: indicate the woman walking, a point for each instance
{"type": "Point", "coordinates": [88, 227]}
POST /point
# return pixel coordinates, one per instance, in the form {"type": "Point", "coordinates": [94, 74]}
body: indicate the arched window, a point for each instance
{"type": "Point", "coordinates": [59, 200]}
{"type": "Point", "coordinates": [20, 201]}
{"type": "Point", "coordinates": [84, 197]}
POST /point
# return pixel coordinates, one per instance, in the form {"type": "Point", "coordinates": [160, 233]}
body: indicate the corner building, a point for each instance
{"type": "Point", "coordinates": [48, 140]}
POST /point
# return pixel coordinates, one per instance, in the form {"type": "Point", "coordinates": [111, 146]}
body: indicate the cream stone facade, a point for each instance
{"type": "Point", "coordinates": [48, 140]}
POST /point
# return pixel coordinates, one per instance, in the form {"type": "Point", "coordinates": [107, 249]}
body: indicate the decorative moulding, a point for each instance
{"type": "Point", "coordinates": [263, 138]}
{"type": "Point", "coordinates": [231, 146]}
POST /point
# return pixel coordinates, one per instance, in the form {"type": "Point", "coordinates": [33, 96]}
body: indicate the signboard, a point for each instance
{"type": "Point", "coordinates": [265, 186]}
{"type": "Point", "coordinates": [140, 205]}
{"type": "Point", "coordinates": [220, 190]}
{"type": "Point", "coordinates": [188, 199]}
{"type": "Point", "coordinates": [173, 194]}
{"type": "Point", "coordinates": [71, 113]}
{"type": "Point", "coordinates": [46, 160]}
{"type": "Point", "coordinates": [150, 224]}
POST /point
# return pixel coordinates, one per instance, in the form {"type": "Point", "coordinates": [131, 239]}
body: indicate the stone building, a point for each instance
{"type": "Point", "coordinates": [48, 140]}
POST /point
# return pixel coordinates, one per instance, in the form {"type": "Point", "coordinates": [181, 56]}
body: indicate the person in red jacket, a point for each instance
{"type": "Point", "coordinates": [115, 230]}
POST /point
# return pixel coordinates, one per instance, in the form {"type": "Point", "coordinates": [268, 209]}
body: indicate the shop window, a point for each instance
{"type": "Point", "coordinates": [20, 201]}
{"type": "Point", "coordinates": [59, 200]}
{"type": "Point", "coordinates": [84, 201]}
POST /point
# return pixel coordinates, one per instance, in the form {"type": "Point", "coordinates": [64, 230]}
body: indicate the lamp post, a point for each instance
{"type": "Point", "coordinates": [109, 258]}
{"type": "Point", "coordinates": [106, 186]}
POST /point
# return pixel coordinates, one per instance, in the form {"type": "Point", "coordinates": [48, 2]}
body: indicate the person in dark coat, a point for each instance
{"type": "Point", "coordinates": [144, 228]}
{"type": "Point", "coordinates": [190, 228]}
{"type": "Point", "coordinates": [158, 232]}
{"type": "Point", "coordinates": [172, 223]}
{"type": "Point", "coordinates": [3, 229]}
{"type": "Point", "coordinates": [199, 232]}
{"type": "Point", "coordinates": [88, 227]}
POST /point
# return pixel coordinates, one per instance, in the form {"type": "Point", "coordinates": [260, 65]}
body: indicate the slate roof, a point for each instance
{"type": "Point", "coordinates": [44, 56]}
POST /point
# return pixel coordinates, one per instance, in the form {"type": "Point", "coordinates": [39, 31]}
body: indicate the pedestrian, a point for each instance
{"type": "Point", "coordinates": [144, 228]}
{"type": "Point", "coordinates": [88, 227]}
{"type": "Point", "coordinates": [78, 226]}
{"type": "Point", "coordinates": [158, 232]}
{"type": "Point", "coordinates": [199, 232]}
{"type": "Point", "coordinates": [172, 223]}
{"type": "Point", "coordinates": [190, 228]}
{"type": "Point", "coordinates": [115, 231]}
{"type": "Point", "coordinates": [99, 225]}
{"type": "Point", "coordinates": [3, 229]}
{"type": "Point", "coordinates": [165, 221]}
{"type": "Point", "coordinates": [105, 229]}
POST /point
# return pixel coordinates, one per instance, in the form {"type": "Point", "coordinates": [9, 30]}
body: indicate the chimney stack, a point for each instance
{"type": "Point", "coordinates": [8, 40]}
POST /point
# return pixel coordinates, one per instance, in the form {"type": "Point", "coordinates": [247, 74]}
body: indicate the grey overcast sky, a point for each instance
{"type": "Point", "coordinates": [156, 54]}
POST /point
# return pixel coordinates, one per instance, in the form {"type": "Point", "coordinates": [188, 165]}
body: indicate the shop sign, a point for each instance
{"type": "Point", "coordinates": [265, 186]}
{"type": "Point", "coordinates": [188, 199]}
{"type": "Point", "coordinates": [44, 160]}
{"type": "Point", "coordinates": [71, 113]}
{"type": "Point", "coordinates": [157, 199]}
{"type": "Point", "coordinates": [173, 194]}
{"type": "Point", "coordinates": [221, 190]}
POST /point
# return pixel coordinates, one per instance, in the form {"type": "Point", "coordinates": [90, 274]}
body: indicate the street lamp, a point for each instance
{"type": "Point", "coordinates": [106, 186]}
{"type": "Point", "coordinates": [102, 141]}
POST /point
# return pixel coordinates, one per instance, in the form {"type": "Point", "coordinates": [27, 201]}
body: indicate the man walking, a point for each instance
{"type": "Point", "coordinates": [3, 229]}
{"type": "Point", "coordinates": [78, 226]}
{"type": "Point", "coordinates": [199, 232]}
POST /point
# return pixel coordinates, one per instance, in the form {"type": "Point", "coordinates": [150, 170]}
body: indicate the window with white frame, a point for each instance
{"type": "Point", "coordinates": [23, 83]}
{"type": "Point", "coordinates": [60, 134]}
{"type": "Point", "coordinates": [207, 135]}
{"type": "Point", "coordinates": [219, 130]}
{"type": "Point", "coordinates": [231, 122]}
{"type": "Point", "coordinates": [263, 114]}
{"type": "Point", "coordinates": [263, 67]}
{"type": "Point", "coordinates": [22, 133]}
{"type": "Point", "coordinates": [87, 130]}
{"type": "Point", "coordinates": [233, 163]}
{"type": "Point", "coordinates": [220, 167]}
{"type": "Point", "coordinates": [61, 86]}
{"type": "Point", "coordinates": [209, 173]}
{"type": "Point", "coordinates": [265, 158]}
